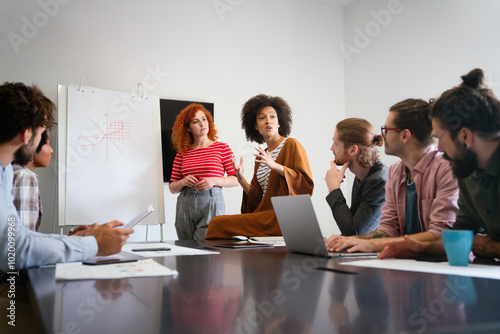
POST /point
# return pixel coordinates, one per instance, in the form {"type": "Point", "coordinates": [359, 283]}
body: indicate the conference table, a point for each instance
{"type": "Point", "coordinates": [266, 290]}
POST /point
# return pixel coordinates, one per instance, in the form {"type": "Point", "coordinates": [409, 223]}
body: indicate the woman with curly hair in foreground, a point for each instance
{"type": "Point", "coordinates": [198, 172]}
{"type": "Point", "coordinates": [281, 169]}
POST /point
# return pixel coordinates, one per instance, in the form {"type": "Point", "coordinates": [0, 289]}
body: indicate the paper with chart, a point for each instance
{"type": "Point", "coordinates": [112, 168]}
{"type": "Point", "coordinates": [141, 268]}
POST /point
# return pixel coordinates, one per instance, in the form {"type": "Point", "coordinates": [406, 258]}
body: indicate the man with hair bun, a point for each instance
{"type": "Point", "coordinates": [466, 121]}
{"type": "Point", "coordinates": [420, 194]}
{"type": "Point", "coordinates": [355, 147]}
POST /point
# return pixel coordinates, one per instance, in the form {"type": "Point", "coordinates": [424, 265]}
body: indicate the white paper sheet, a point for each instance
{"type": "Point", "coordinates": [141, 268]}
{"type": "Point", "coordinates": [472, 270]}
{"type": "Point", "coordinates": [174, 250]}
{"type": "Point", "coordinates": [276, 241]}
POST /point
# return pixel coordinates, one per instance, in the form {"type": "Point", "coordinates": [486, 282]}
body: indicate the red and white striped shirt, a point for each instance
{"type": "Point", "coordinates": [211, 161]}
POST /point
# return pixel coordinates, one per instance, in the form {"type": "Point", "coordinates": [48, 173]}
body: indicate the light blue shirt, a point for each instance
{"type": "Point", "coordinates": [31, 248]}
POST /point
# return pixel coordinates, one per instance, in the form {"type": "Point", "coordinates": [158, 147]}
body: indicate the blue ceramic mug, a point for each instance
{"type": "Point", "coordinates": [457, 244]}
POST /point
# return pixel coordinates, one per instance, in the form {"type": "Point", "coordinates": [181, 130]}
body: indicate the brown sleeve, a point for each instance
{"type": "Point", "coordinates": [298, 174]}
{"type": "Point", "coordinates": [297, 179]}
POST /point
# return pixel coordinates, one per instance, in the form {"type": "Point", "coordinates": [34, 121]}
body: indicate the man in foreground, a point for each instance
{"type": "Point", "coordinates": [24, 114]}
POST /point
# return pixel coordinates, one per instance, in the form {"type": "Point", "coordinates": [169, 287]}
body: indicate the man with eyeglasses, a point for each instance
{"type": "Point", "coordinates": [420, 194]}
{"type": "Point", "coordinates": [466, 120]}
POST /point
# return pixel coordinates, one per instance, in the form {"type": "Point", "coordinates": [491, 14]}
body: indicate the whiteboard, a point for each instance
{"type": "Point", "coordinates": [110, 165]}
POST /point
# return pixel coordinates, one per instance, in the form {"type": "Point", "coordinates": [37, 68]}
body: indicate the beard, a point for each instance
{"type": "Point", "coordinates": [24, 154]}
{"type": "Point", "coordinates": [339, 161]}
{"type": "Point", "coordinates": [464, 163]}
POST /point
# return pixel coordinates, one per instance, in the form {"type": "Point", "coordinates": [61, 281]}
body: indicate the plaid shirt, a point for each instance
{"type": "Point", "coordinates": [27, 197]}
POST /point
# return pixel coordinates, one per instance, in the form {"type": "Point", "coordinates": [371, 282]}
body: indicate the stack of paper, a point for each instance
{"type": "Point", "coordinates": [142, 268]}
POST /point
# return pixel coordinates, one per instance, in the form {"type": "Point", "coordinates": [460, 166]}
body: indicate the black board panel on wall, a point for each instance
{"type": "Point", "coordinates": [169, 109]}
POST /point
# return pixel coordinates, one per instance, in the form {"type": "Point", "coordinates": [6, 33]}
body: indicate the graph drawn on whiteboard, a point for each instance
{"type": "Point", "coordinates": [116, 131]}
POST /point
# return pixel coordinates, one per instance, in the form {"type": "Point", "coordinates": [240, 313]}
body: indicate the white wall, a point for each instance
{"type": "Point", "coordinates": [282, 47]}
{"type": "Point", "coordinates": [419, 51]}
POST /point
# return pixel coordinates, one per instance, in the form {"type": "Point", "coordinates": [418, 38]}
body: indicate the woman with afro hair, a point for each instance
{"type": "Point", "coordinates": [198, 172]}
{"type": "Point", "coordinates": [281, 169]}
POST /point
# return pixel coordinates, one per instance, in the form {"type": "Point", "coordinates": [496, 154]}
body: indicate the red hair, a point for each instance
{"type": "Point", "coordinates": [181, 137]}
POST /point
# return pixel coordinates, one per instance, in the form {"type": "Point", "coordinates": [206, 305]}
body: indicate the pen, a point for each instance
{"type": "Point", "coordinates": [150, 249]}
{"type": "Point", "coordinates": [340, 271]}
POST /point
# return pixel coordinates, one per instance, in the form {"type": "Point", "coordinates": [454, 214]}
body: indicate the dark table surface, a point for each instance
{"type": "Point", "coordinates": [267, 290]}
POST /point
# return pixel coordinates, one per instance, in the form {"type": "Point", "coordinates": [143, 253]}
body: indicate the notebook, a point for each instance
{"type": "Point", "coordinates": [300, 227]}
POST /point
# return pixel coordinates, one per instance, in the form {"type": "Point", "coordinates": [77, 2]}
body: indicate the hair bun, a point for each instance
{"type": "Point", "coordinates": [378, 140]}
{"type": "Point", "coordinates": [474, 79]}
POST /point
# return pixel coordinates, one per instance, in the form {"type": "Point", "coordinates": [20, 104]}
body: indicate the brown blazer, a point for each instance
{"type": "Point", "coordinates": [258, 218]}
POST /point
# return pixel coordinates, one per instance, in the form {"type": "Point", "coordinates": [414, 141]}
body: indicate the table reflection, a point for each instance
{"type": "Point", "coordinates": [267, 291]}
{"type": "Point", "coordinates": [281, 293]}
{"type": "Point", "coordinates": [201, 302]}
{"type": "Point", "coordinates": [369, 313]}
{"type": "Point", "coordinates": [107, 306]}
{"type": "Point", "coordinates": [421, 301]}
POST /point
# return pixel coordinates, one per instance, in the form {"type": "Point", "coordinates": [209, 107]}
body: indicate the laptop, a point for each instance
{"type": "Point", "coordinates": [300, 227]}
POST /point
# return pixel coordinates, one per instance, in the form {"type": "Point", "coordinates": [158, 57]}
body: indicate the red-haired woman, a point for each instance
{"type": "Point", "coordinates": [198, 172]}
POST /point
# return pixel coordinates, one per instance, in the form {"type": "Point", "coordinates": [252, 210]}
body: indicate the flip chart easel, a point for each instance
{"type": "Point", "coordinates": [110, 158]}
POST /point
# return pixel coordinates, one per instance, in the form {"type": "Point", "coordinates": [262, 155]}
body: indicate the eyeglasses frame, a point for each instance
{"type": "Point", "coordinates": [384, 129]}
